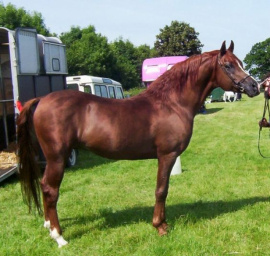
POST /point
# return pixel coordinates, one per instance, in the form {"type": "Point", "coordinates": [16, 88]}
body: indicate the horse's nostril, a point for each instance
{"type": "Point", "coordinates": [255, 85]}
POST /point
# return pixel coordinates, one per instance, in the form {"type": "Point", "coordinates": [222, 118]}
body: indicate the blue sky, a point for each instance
{"type": "Point", "coordinates": [246, 22]}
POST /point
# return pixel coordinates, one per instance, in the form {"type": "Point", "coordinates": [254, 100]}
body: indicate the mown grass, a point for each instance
{"type": "Point", "coordinates": [219, 205]}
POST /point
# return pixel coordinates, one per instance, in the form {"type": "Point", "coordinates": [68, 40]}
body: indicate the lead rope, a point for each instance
{"type": "Point", "coordinates": [266, 108]}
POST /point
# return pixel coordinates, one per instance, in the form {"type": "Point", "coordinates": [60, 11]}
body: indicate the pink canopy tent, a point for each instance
{"type": "Point", "coordinates": [155, 67]}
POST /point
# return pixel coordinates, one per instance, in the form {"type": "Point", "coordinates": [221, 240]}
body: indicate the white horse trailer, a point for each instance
{"type": "Point", "coordinates": [31, 65]}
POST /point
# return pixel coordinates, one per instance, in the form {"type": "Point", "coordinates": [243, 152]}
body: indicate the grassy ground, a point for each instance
{"type": "Point", "coordinates": [219, 205]}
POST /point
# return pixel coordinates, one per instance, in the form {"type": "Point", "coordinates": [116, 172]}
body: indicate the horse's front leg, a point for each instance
{"type": "Point", "coordinates": [165, 164]}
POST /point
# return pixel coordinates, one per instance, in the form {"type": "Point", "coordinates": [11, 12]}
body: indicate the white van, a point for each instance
{"type": "Point", "coordinates": [100, 86]}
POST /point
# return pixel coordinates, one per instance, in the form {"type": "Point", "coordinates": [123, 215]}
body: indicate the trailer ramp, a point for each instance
{"type": "Point", "coordinates": [6, 172]}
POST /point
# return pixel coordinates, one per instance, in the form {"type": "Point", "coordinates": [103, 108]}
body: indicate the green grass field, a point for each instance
{"type": "Point", "coordinates": [219, 205]}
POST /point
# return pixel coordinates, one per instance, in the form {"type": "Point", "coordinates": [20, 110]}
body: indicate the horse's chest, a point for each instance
{"type": "Point", "coordinates": [174, 131]}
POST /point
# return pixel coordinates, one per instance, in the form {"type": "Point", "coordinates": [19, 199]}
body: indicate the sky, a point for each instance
{"type": "Point", "coordinates": [246, 22]}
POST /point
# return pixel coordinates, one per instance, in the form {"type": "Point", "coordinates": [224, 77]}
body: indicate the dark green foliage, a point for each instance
{"type": "Point", "coordinates": [88, 53]}
{"type": "Point", "coordinates": [12, 17]}
{"type": "Point", "coordinates": [129, 61]}
{"type": "Point", "coordinates": [178, 39]}
{"type": "Point", "coordinates": [258, 59]}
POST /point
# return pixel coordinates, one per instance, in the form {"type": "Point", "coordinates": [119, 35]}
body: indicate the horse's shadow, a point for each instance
{"type": "Point", "coordinates": [87, 159]}
{"type": "Point", "coordinates": [191, 212]}
{"type": "Point", "coordinates": [212, 110]}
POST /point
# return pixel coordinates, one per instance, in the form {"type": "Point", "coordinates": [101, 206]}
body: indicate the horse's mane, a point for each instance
{"type": "Point", "coordinates": [177, 77]}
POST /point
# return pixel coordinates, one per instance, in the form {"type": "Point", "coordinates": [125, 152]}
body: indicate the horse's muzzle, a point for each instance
{"type": "Point", "coordinates": [252, 89]}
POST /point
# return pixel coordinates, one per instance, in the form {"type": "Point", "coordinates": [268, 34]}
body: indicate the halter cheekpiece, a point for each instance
{"type": "Point", "coordinates": [237, 85]}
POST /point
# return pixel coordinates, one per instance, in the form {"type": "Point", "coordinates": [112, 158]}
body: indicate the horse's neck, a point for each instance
{"type": "Point", "coordinates": [197, 90]}
{"type": "Point", "coordinates": [194, 94]}
{"type": "Point", "coordinates": [191, 94]}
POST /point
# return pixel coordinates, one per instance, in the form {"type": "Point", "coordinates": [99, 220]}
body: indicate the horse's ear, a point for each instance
{"type": "Point", "coordinates": [223, 49]}
{"type": "Point", "coordinates": [231, 47]}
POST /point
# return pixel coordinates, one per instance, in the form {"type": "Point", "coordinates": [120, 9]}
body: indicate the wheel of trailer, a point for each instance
{"type": "Point", "coordinates": [72, 158]}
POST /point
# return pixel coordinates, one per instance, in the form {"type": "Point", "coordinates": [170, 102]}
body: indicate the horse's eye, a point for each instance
{"type": "Point", "coordinates": [228, 65]}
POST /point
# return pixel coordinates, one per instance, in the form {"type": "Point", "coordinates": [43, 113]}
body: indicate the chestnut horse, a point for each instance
{"type": "Point", "coordinates": [157, 123]}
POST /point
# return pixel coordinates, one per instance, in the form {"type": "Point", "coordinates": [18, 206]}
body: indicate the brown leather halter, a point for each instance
{"type": "Point", "coordinates": [237, 84]}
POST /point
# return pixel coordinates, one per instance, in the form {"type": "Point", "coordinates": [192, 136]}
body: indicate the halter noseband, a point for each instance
{"type": "Point", "coordinates": [237, 85]}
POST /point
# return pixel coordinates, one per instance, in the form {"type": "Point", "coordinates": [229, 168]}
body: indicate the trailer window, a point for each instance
{"type": "Point", "coordinates": [169, 66]}
{"type": "Point", "coordinates": [97, 90]}
{"type": "Point", "coordinates": [55, 64]}
{"type": "Point", "coordinates": [119, 93]}
{"type": "Point", "coordinates": [87, 89]}
{"type": "Point", "coordinates": [111, 92]}
{"type": "Point", "coordinates": [74, 87]}
{"type": "Point", "coordinates": [104, 92]}
{"type": "Point", "coordinates": [101, 90]}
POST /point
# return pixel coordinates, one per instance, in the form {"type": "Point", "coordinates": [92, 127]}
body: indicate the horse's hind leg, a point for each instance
{"type": "Point", "coordinates": [50, 185]}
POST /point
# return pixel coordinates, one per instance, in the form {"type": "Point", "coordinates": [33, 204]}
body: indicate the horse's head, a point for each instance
{"type": "Point", "coordinates": [231, 75]}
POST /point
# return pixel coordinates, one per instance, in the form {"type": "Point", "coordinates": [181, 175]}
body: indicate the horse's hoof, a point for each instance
{"type": "Point", "coordinates": [162, 229]}
{"type": "Point", "coordinates": [61, 242]}
{"type": "Point", "coordinates": [58, 238]}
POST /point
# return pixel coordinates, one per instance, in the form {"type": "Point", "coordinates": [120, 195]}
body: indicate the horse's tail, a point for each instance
{"type": "Point", "coordinates": [29, 171]}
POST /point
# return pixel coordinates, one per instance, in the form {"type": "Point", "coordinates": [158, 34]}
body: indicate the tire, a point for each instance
{"type": "Point", "coordinates": [72, 158]}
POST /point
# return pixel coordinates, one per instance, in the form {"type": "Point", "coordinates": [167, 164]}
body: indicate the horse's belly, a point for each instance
{"type": "Point", "coordinates": [123, 149]}
{"type": "Point", "coordinates": [125, 155]}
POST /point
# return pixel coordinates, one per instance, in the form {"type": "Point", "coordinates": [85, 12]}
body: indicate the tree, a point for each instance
{"type": "Point", "coordinates": [127, 62]}
{"type": "Point", "coordinates": [11, 18]}
{"type": "Point", "coordinates": [70, 37]}
{"type": "Point", "coordinates": [178, 39]}
{"type": "Point", "coordinates": [88, 52]}
{"type": "Point", "coordinates": [258, 59]}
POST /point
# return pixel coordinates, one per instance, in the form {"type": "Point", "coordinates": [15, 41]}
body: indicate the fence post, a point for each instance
{"type": "Point", "coordinates": [177, 167]}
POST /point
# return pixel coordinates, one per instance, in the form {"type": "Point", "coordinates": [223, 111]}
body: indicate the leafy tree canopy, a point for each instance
{"type": "Point", "coordinates": [12, 17]}
{"type": "Point", "coordinates": [178, 39]}
{"type": "Point", "coordinates": [88, 52]}
{"type": "Point", "coordinates": [258, 59]}
{"type": "Point", "coordinates": [129, 59]}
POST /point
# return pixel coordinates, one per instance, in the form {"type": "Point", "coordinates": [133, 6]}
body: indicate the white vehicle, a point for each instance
{"type": "Point", "coordinates": [100, 86]}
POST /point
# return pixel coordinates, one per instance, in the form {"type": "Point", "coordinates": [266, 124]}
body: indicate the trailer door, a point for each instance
{"type": "Point", "coordinates": [27, 51]}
